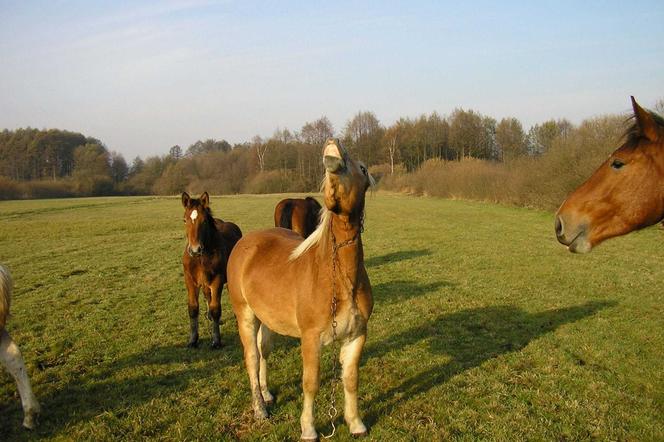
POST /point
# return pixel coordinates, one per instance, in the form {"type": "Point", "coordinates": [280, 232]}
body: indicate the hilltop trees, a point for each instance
{"type": "Point", "coordinates": [511, 139]}
{"type": "Point", "coordinates": [363, 134]}
{"type": "Point", "coordinates": [541, 136]}
{"type": "Point", "coordinates": [316, 132]}
{"type": "Point", "coordinates": [286, 161]}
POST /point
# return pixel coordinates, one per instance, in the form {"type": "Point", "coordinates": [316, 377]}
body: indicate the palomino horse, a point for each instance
{"type": "Point", "coordinates": [11, 355]}
{"type": "Point", "coordinates": [299, 215]}
{"type": "Point", "coordinates": [209, 242]}
{"type": "Point", "coordinates": [315, 289]}
{"type": "Point", "coordinates": [626, 193]}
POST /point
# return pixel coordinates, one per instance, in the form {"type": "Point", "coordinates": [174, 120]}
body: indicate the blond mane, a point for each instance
{"type": "Point", "coordinates": [316, 236]}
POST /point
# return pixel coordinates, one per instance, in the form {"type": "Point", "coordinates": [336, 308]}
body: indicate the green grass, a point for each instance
{"type": "Point", "coordinates": [484, 328]}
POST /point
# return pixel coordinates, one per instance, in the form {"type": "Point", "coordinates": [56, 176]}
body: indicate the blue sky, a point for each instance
{"type": "Point", "coordinates": [143, 76]}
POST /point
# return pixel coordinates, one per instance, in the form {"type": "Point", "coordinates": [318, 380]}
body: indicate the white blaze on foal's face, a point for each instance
{"type": "Point", "coordinates": [194, 215]}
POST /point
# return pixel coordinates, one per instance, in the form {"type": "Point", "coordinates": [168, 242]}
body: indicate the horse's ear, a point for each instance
{"type": "Point", "coordinates": [645, 121]}
{"type": "Point", "coordinates": [205, 199]}
{"type": "Point", "coordinates": [185, 199]}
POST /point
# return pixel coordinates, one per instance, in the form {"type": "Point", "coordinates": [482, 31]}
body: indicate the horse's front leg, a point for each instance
{"type": "Point", "coordinates": [310, 383]}
{"type": "Point", "coordinates": [351, 351]}
{"type": "Point", "coordinates": [11, 357]}
{"type": "Point", "coordinates": [192, 307]}
{"type": "Point", "coordinates": [215, 311]}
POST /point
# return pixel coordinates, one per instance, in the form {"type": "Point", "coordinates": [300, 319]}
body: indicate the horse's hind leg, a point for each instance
{"type": "Point", "coordinates": [214, 312]}
{"type": "Point", "coordinates": [247, 325]}
{"type": "Point", "coordinates": [264, 348]}
{"type": "Point", "coordinates": [350, 362]}
{"type": "Point", "coordinates": [12, 359]}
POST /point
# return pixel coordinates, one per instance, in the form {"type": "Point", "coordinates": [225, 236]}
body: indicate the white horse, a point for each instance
{"type": "Point", "coordinates": [11, 357]}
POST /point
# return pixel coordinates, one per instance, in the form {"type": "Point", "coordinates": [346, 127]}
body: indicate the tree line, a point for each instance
{"type": "Point", "coordinates": [52, 163]}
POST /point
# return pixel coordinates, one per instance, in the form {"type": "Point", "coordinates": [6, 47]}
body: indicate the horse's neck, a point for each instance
{"type": "Point", "coordinates": [658, 156]}
{"type": "Point", "coordinates": [210, 234]}
{"type": "Point", "coordinates": [346, 239]}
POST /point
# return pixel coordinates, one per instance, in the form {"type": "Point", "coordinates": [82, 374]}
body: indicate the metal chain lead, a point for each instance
{"type": "Point", "coordinates": [332, 410]}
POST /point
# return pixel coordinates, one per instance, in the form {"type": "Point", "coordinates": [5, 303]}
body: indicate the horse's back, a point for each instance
{"type": "Point", "coordinates": [266, 245]}
{"type": "Point", "coordinates": [283, 213]}
{"type": "Point", "coordinates": [230, 232]}
{"type": "Point", "coordinates": [297, 214]}
{"type": "Point", "coordinates": [261, 276]}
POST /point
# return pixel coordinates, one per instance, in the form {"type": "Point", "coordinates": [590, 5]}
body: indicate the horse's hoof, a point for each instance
{"type": "Point", "coordinates": [309, 439]}
{"type": "Point", "coordinates": [260, 415]}
{"type": "Point", "coordinates": [30, 421]}
{"type": "Point", "coordinates": [215, 345]}
{"type": "Point", "coordinates": [192, 344]}
{"type": "Point", "coordinates": [357, 435]}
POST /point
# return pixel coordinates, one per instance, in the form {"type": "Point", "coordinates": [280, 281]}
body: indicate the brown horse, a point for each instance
{"type": "Point", "coordinates": [315, 289]}
{"type": "Point", "coordinates": [11, 357]}
{"type": "Point", "coordinates": [299, 215]}
{"type": "Point", "coordinates": [626, 193]}
{"type": "Point", "coordinates": [209, 242]}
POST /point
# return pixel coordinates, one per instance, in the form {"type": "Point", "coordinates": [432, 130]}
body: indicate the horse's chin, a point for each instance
{"type": "Point", "coordinates": [580, 245]}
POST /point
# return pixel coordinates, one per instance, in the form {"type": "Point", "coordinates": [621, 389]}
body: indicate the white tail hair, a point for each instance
{"type": "Point", "coordinates": [6, 285]}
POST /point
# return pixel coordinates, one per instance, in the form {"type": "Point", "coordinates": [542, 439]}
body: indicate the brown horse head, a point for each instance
{"type": "Point", "coordinates": [346, 181]}
{"type": "Point", "coordinates": [198, 222]}
{"type": "Point", "coordinates": [626, 193]}
{"type": "Point", "coordinates": [344, 187]}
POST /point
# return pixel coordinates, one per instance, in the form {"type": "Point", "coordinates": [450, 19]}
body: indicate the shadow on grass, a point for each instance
{"type": "Point", "coordinates": [397, 291]}
{"type": "Point", "coordinates": [395, 257]}
{"type": "Point", "coordinates": [469, 337]}
{"type": "Point", "coordinates": [117, 386]}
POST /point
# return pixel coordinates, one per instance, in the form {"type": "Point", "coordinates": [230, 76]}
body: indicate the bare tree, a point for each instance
{"type": "Point", "coordinates": [511, 139]}
{"type": "Point", "coordinates": [261, 148]}
{"type": "Point", "coordinates": [364, 133]}
{"type": "Point", "coordinates": [316, 132]}
{"type": "Point", "coordinates": [392, 139]}
{"type": "Point", "coordinates": [659, 106]}
{"type": "Point", "coordinates": [175, 152]}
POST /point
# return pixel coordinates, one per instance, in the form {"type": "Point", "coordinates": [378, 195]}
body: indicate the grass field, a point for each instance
{"type": "Point", "coordinates": [483, 328]}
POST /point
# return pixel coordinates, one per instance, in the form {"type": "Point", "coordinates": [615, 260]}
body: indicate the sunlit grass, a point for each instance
{"type": "Point", "coordinates": [484, 327]}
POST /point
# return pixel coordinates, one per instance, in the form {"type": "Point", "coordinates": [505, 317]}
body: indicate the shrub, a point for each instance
{"type": "Point", "coordinates": [543, 181]}
{"type": "Point", "coordinates": [48, 189]}
{"type": "Point", "coordinates": [274, 181]}
{"type": "Point", "coordinates": [10, 189]}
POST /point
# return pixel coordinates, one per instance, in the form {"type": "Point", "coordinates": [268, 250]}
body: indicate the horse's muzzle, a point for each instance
{"type": "Point", "coordinates": [575, 237]}
{"type": "Point", "coordinates": [195, 251]}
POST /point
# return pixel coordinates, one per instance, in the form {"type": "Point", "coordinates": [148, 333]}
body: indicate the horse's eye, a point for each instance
{"type": "Point", "coordinates": [617, 164]}
{"type": "Point", "coordinates": [363, 169]}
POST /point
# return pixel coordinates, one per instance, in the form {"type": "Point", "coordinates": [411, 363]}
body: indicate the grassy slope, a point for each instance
{"type": "Point", "coordinates": [484, 327]}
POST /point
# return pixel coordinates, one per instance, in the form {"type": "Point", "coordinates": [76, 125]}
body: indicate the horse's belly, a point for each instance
{"type": "Point", "coordinates": [274, 308]}
{"type": "Point", "coordinates": [283, 324]}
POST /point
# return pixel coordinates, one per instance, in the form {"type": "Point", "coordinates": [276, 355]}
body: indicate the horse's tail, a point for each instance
{"type": "Point", "coordinates": [313, 215]}
{"type": "Point", "coordinates": [286, 219]}
{"type": "Point", "coordinates": [6, 285]}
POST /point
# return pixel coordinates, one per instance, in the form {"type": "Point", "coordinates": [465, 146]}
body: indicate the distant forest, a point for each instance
{"type": "Point", "coordinates": [57, 163]}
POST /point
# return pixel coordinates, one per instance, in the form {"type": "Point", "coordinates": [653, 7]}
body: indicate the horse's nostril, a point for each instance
{"type": "Point", "coordinates": [559, 227]}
